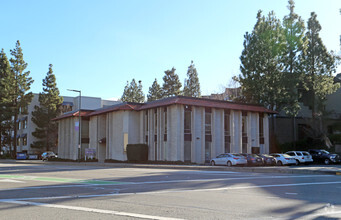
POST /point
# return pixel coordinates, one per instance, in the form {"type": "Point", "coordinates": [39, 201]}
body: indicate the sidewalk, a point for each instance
{"type": "Point", "coordinates": [301, 169]}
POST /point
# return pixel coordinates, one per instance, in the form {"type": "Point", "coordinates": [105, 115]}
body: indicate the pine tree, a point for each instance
{"type": "Point", "coordinates": [133, 92]}
{"type": "Point", "coordinates": [155, 92]}
{"type": "Point", "coordinates": [295, 47]}
{"type": "Point", "coordinates": [192, 85]}
{"type": "Point", "coordinates": [139, 94]}
{"type": "Point", "coordinates": [171, 84]}
{"type": "Point", "coordinates": [262, 63]}
{"type": "Point", "coordinates": [20, 83]}
{"type": "Point", "coordinates": [319, 64]}
{"type": "Point", "coordinates": [5, 111]}
{"type": "Point", "coordinates": [49, 108]}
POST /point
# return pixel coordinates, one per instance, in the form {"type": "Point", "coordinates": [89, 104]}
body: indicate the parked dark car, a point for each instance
{"type": "Point", "coordinates": [267, 159]}
{"type": "Point", "coordinates": [323, 156]}
{"type": "Point", "coordinates": [48, 155]}
{"type": "Point", "coordinates": [253, 159]}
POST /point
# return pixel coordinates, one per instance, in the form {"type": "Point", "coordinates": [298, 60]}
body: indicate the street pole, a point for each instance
{"type": "Point", "coordinates": [79, 122]}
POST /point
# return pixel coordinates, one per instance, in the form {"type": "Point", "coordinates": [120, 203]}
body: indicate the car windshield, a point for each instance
{"type": "Point", "coordinates": [324, 151]}
{"type": "Point", "coordinates": [286, 155]}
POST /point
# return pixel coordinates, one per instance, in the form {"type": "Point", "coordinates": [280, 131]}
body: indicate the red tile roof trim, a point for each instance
{"type": "Point", "coordinates": [84, 113]}
{"type": "Point", "coordinates": [210, 103]}
{"type": "Point", "coordinates": [181, 100]}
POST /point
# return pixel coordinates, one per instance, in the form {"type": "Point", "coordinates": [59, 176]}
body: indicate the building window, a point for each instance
{"type": "Point", "coordinates": [261, 129]}
{"type": "Point", "coordinates": [244, 124]}
{"type": "Point", "coordinates": [188, 123]}
{"type": "Point", "coordinates": [227, 131]}
{"type": "Point", "coordinates": [146, 126]}
{"type": "Point", "coordinates": [23, 110]}
{"type": "Point", "coordinates": [155, 122]}
{"type": "Point", "coordinates": [227, 123]}
{"type": "Point", "coordinates": [165, 124]}
{"type": "Point", "coordinates": [244, 132]}
{"type": "Point", "coordinates": [24, 122]}
{"type": "Point", "coordinates": [188, 120]}
{"type": "Point", "coordinates": [155, 125]}
{"type": "Point", "coordinates": [24, 141]}
{"type": "Point", "coordinates": [208, 120]}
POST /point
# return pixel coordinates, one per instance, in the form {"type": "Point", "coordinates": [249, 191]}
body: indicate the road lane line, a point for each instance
{"type": "Point", "coordinates": [84, 209]}
{"type": "Point", "coordinates": [62, 180]}
{"type": "Point", "coordinates": [176, 191]}
{"type": "Point", "coordinates": [287, 193]}
{"type": "Point", "coordinates": [100, 182]}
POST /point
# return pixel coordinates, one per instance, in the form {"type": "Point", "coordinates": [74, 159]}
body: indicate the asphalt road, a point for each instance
{"type": "Point", "coordinates": [44, 191]}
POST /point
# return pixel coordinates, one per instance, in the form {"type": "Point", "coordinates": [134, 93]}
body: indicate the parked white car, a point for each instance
{"type": "Point", "coordinates": [307, 157]}
{"type": "Point", "coordinates": [299, 157]}
{"type": "Point", "coordinates": [284, 159]}
{"type": "Point", "coordinates": [229, 160]}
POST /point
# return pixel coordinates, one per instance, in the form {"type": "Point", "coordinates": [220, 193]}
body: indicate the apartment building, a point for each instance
{"type": "Point", "coordinates": [175, 129]}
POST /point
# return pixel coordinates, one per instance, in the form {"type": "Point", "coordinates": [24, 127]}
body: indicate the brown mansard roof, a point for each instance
{"type": "Point", "coordinates": [181, 100]}
{"type": "Point", "coordinates": [208, 103]}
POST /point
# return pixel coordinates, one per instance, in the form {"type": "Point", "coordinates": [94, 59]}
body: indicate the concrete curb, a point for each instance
{"type": "Point", "coordinates": [330, 170]}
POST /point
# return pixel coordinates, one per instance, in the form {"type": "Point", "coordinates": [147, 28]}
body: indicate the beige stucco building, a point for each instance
{"type": "Point", "coordinates": [26, 126]}
{"type": "Point", "coordinates": [175, 129]}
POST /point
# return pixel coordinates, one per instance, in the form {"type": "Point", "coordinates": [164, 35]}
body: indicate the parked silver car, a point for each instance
{"type": "Point", "coordinates": [229, 160]}
{"type": "Point", "coordinates": [307, 157]}
{"type": "Point", "coordinates": [299, 157]}
{"type": "Point", "coordinates": [284, 159]}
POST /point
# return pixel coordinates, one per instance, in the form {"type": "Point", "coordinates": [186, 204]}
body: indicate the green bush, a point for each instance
{"type": "Point", "coordinates": [137, 152]}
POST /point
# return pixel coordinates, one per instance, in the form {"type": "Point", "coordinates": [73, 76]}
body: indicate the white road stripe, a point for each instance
{"type": "Point", "coordinates": [160, 182]}
{"type": "Point", "coordinates": [291, 193]}
{"type": "Point", "coordinates": [10, 181]}
{"type": "Point", "coordinates": [101, 211]}
{"type": "Point", "coordinates": [174, 191]}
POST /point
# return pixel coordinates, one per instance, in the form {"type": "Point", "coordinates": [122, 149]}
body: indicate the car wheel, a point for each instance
{"type": "Point", "coordinates": [326, 161]}
{"type": "Point", "coordinates": [229, 163]}
{"type": "Point", "coordinates": [212, 163]}
{"type": "Point", "coordinates": [279, 163]}
{"type": "Point", "coordinates": [297, 162]}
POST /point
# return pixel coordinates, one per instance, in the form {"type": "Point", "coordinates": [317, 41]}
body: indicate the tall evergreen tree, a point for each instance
{"type": "Point", "coordinates": [171, 84]}
{"type": "Point", "coordinates": [319, 64]}
{"type": "Point", "coordinates": [5, 111]}
{"type": "Point", "coordinates": [192, 85]}
{"type": "Point", "coordinates": [155, 92]}
{"type": "Point", "coordinates": [133, 92]}
{"type": "Point", "coordinates": [49, 108]}
{"type": "Point", "coordinates": [262, 63]}
{"type": "Point", "coordinates": [295, 47]}
{"type": "Point", "coordinates": [19, 83]}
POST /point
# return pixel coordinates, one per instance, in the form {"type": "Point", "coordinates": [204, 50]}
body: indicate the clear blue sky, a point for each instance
{"type": "Point", "coordinates": [97, 46]}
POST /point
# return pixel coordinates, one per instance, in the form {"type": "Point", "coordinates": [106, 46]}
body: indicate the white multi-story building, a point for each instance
{"type": "Point", "coordinates": [26, 126]}
{"type": "Point", "coordinates": [175, 129]}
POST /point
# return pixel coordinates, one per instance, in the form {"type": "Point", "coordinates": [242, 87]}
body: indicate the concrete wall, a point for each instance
{"type": "Point", "coordinates": [174, 147]}
{"type": "Point", "coordinates": [129, 127]}
{"type": "Point", "coordinates": [68, 139]}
